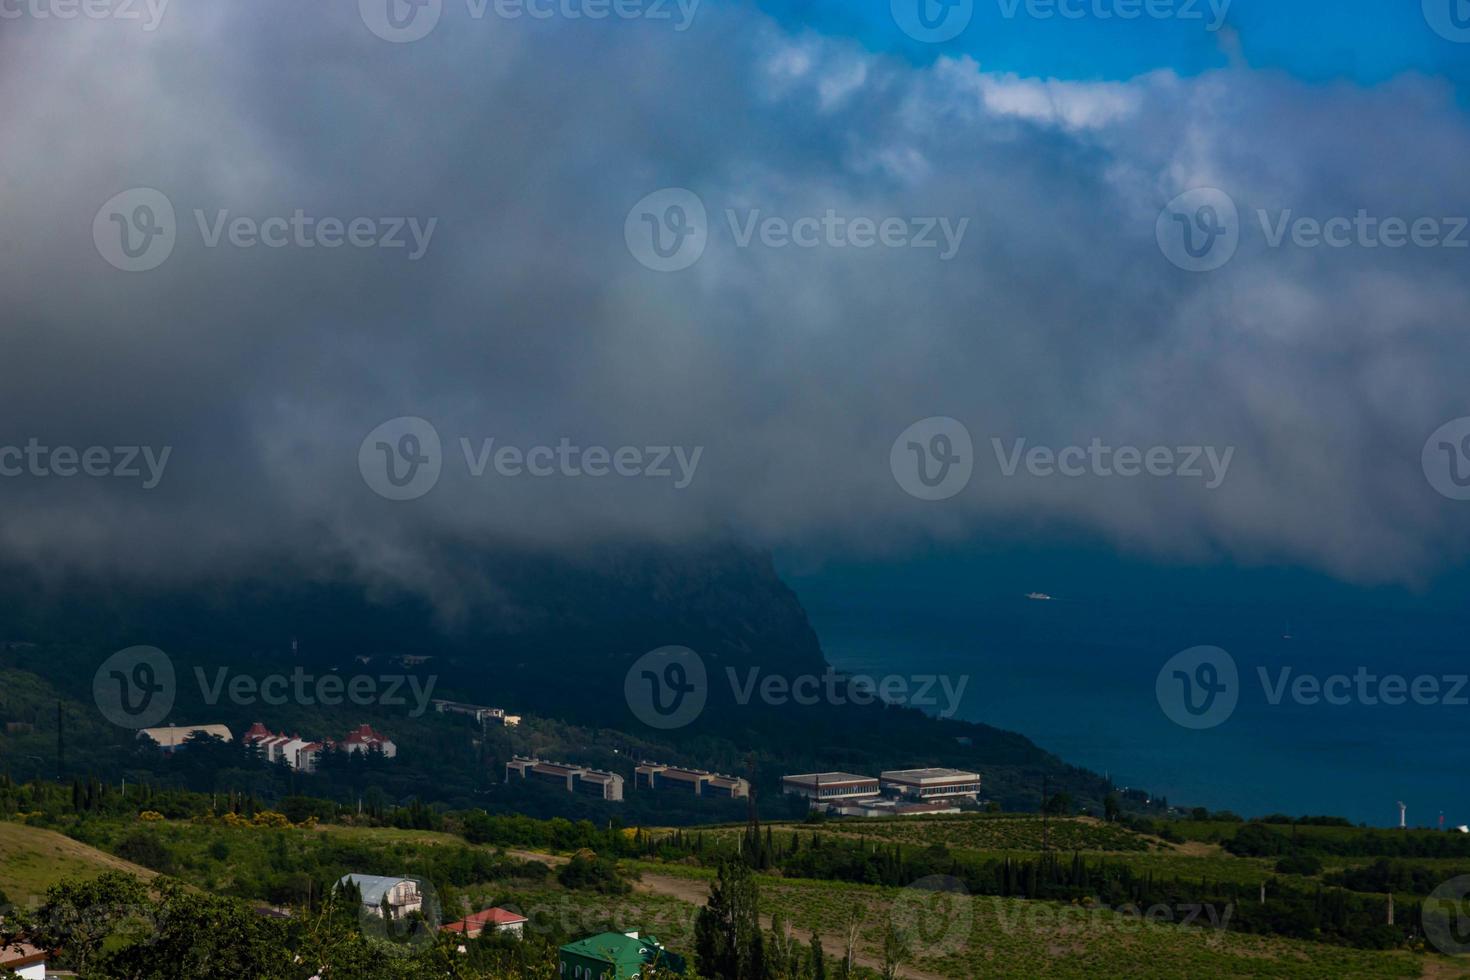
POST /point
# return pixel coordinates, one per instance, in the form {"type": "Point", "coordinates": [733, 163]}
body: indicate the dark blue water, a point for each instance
{"type": "Point", "coordinates": [1077, 674]}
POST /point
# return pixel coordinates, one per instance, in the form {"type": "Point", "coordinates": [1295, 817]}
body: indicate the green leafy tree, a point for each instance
{"type": "Point", "coordinates": [80, 917]}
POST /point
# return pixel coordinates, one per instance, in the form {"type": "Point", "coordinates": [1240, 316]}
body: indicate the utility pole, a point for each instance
{"type": "Point", "coordinates": [60, 743]}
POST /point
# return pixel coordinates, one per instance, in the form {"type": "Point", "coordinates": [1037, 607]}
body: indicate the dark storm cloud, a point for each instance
{"type": "Point", "coordinates": [528, 320]}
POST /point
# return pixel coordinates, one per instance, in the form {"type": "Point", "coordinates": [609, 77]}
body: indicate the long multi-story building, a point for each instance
{"type": "Point", "coordinates": [571, 778]}
{"type": "Point", "coordinates": [297, 752]}
{"type": "Point", "coordinates": [173, 737]}
{"type": "Point", "coordinates": [821, 787]}
{"type": "Point", "coordinates": [481, 713]}
{"type": "Point", "coordinates": [925, 785]}
{"type": "Point", "coordinates": [695, 782]}
{"type": "Point", "coordinates": [877, 806]}
{"type": "Point", "coordinates": [303, 754]}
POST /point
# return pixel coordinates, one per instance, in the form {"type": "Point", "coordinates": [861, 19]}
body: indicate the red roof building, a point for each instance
{"type": "Point", "coordinates": [364, 739]}
{"type": "Point", "coordinates": [496, 920]}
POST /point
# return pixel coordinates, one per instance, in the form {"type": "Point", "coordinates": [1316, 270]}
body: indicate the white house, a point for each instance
{"type": "Point", "coordinates": [402, 893]}
{"type": "Point", "coordinates": [490, 920]}
{"type": "Point", "coordinates": [364, 739]}
{"type": "Point", "coordinates": [295, 751]}
{"type": "Point", "coordinates": [26, 960]}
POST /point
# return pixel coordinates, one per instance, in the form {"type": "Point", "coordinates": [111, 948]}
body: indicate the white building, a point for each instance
{"type": "Point", "coordinates": [298, 753]}
{"type": "Point", "coordinates": [174, 737]}
{"type": "Point", "coordinates": [875, 807]}
{"type": "Point", "coordinates": [572, 778]}
{"type": "Point", "coordinates": [28, 962]}
{"type": "Point", "coordinates": [822, 787]}
{"type": "Point", "coordinates": [402, 893]}
{"type": "Point", "coordinates": [481, 713]}
{"type": "Point", "coordinates": [923, 785]}
{"type": "Point", "coordinates": [490, 920]}
{"type": "Point", "coordinates": [364, 739]}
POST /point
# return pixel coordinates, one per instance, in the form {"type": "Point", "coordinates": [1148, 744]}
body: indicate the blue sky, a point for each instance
{"type": "Point", "coordinates": [1364, 41]}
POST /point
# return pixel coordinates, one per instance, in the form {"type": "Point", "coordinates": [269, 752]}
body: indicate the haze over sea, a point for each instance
{"type": "Point", "coordinates": [1077, 673]}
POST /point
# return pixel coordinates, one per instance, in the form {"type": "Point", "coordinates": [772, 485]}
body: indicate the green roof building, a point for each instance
{"type": "Point", "coordinates": [615, 956]}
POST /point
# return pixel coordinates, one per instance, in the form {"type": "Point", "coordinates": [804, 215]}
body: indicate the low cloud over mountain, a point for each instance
{"type": "Point", "coordinates": [1045, 310]}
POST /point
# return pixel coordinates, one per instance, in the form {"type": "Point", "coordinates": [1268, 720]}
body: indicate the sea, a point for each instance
{"type": "Point", "coordinates": [1079, 672]}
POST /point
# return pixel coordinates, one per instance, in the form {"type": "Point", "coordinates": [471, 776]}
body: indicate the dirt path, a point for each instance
{"type": "Point", "coordinates": [552, 860]}
{"type": "Point", "coordinates": [697, 893]}
{"type": "Point", "coordinates": [1439, 969]}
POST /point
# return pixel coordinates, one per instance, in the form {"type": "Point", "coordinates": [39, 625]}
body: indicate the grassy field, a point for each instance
{"type": "Point", "coordinates": [32, 860]}
{"type": "Point", "coordinates": [1004, 832]}
{"type": "Point", "coordinates": [986, 832]}
{"type": "Point", "coordinates": [962, 937]}
{"type": "Point", "coordinates": [955, 937]}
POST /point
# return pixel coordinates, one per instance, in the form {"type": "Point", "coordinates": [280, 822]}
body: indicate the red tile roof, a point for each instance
{"type": "Point", "coordinates": [12, 958]}
{"type": "Point", "coordinates": [480, 920]}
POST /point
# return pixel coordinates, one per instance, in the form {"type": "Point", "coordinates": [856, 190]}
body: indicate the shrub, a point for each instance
{"type": "Point", "coordinates": [1299, 864]}
{"type": "Point", "coordinates": [588, 872]}
{"type": "Point", "coordinates": [147, 850]}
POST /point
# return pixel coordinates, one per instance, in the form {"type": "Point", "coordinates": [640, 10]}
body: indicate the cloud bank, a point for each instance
{"type": "Point", "coordinates": [1057, 320]}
